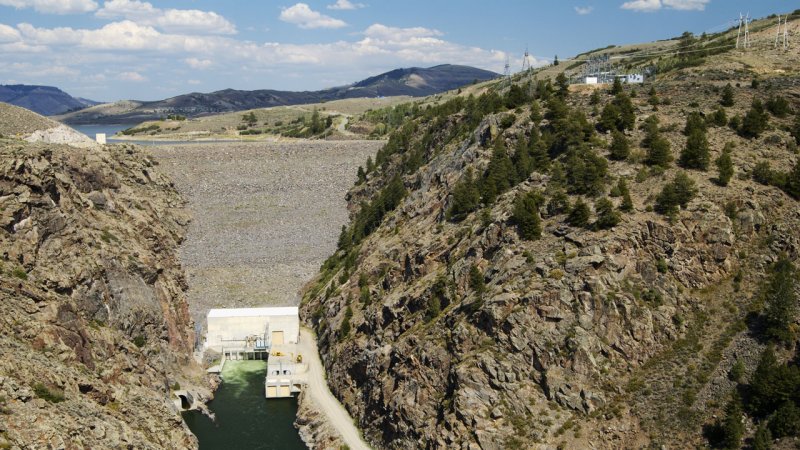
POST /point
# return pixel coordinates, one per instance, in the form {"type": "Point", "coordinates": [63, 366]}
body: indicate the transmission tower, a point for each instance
{"type": "Point", "coordinates": [507, 72]}
{"type": "Point", "coordinates": [527, 69]}
{"type": "Point", "coordinates": [778, 32]}
{"type": "Point", "coordinates": [786, 32]}
{"type": "Point", "coordinates": [743, 24]}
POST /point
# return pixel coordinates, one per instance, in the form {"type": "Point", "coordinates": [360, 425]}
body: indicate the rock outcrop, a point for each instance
{"type": "Point", "coordinates": [588, 338]}
{"type": "Point", "coordinates": [95, 327]}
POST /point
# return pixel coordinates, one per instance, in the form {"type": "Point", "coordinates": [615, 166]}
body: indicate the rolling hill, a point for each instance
{"type": "Point", "coordinates": [45, 100]}
{"type": "Point", "coordinates": [416, 82]}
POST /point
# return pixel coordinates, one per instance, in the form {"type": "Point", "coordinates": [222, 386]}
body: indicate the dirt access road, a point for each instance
{"type": "Point", "coordinates": [321, 396]}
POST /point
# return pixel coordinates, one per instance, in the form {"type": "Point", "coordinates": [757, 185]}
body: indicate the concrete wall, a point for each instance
{"type": "Point", "coordinates": [225, 327]}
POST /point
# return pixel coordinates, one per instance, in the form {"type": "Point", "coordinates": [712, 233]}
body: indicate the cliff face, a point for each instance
{"type": "Point", "coordinates": [93, 317]}
{"type": "Point", "coordinates": [446, 334]}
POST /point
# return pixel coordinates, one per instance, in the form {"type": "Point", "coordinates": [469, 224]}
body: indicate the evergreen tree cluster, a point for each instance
{"type": "Point", "coordinates": [675, 194]}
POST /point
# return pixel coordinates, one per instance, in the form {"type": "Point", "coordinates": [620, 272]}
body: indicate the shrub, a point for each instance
{"type": "Point", "coordinates": [558, 204]}
{"type": "Point", "coordinates": [627, 202]}
{"type": "Point", "coordinates": [795, 131]}
{"type": "Point", "coordinates": [607, 216]}
{"type": "Point", "coordinates": [45, 393]}
{"type": "Point", "coordinates": [785, 421]}
{"type": "Point", "coordinates": [737, 371]}
{"type": "Point", "coordinates": [719, 118]}
{"type": "Point", "coordinates": [437, 297]}
{"type": "Point", "coordinates": [476, 281]}
{"type": "Point", "coordinates": [139, 341]}
{"type": "Point", "coordinates": [526, 215]}
{"type": "Point", "coordinates": [579, 214]}
{"type": "Point", "coordinates": [778, 106]}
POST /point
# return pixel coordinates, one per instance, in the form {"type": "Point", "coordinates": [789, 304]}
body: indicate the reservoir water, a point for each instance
{"type": "Point", "coordinates": [244, 418]}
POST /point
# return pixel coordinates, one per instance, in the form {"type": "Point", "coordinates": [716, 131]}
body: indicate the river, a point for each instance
{"type": "Point", "coordinates": [244, 418]}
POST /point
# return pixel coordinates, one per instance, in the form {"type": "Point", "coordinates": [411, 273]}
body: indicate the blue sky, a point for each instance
{"type": "Point", "coordinates": [146, 50]}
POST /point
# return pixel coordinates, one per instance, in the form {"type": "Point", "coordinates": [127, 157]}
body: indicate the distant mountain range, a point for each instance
{"type": "Point", "coordinates": [45, 100]}
{"type": "Point", "coordinates": [413, 81]}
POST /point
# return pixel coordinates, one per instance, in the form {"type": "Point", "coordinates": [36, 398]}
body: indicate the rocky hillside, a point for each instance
{"type": "Point", "coordinates": [413, 81]}
{"type": "Point", "coordinates": [45, 100]}
{"type": "Point", "coordinates": [584, 267]}
{"type": "Point", "coordinates": [20, 123]}
{"type": "Point", "coordinates": [93, 317]}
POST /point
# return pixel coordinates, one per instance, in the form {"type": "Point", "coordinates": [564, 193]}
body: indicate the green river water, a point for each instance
{"type": "Point", "coordinates": [244, 418]}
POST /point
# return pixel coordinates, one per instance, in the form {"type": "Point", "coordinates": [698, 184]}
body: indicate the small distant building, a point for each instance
{"type": "Point", "coordinates": [238, 332]}
{"type": "Point", "coordinates": [590, 80]}
{"type": "Point", "coordinates": [100, 138]}
{"type": "Point", "coordinates": [633, 78]}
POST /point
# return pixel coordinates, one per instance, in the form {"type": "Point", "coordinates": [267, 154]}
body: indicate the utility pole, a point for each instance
{"type": "Point", "coordinates": [777, 32]}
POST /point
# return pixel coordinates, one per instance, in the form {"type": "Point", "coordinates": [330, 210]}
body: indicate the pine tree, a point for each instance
{"type": "Point", "coordinates": [781, 301]}
{"type": "Point", "coordinates": [727, 96]}
{"type": "Point", "coordinates": [658, 148]}
{"type": "Point", "coordinates": [609, 118]}
{"type": "Point", "coordinates": [526, 215]}
{"type": "Point", "coordinates": [500, 174]}
{"type": "Point", "coordinates": [595, 98]}
{"type": "Point", "coordinates": [627, 113]}
{"type": "Point", "coordinates": [793, 181]}
{"type": "Point", "coordinates": [696, 154]}
{"type": "Point", "coordinates": [536, 113]}
{"type": "Point", "coordinates": [795, 131]}
{"type": "Point", "coordinates": [476, 281]}
{"type": "Point", "coordinates": [362, 176]}
{"type": "Point", "coordinates": [522, 159]}
{"type": "Point", "coordinates": [627, 202]}
{"type": "Point", "coordinates": [677, 193]}
{"type": "Point", "coordinates": [607, 216]}
{"type": "Point", "coordinates": [370, 164]}
{"type": "Point", "coordinates": [620, 147]}
{"type": "Point", "coordinates": [579, 214]}
{"type": "Point", "coordinates": [762, 439]}
{"type": "Point", "coordinates": [466, 198]}
{"type": "Point", "coordinates": [719, 118]}
{"type": "Point", "coordinates": [724, 168]}
{"type": "Point", "coordinates": [694, 122]}
{"type": "Point", "coordinates": [755, 121]}
{"type": "Point", "coordinates": [616, 88]}
{"type": "Point", "coordinates": [732, 426]}
{"type": "Point", "coordinates": [563, 85]}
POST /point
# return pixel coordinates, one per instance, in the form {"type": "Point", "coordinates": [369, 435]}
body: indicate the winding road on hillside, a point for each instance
{"type": "Point", "coordinates": [321, 396]}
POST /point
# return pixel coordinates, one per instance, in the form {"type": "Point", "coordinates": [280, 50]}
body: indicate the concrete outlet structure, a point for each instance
{"type": "Point", "coordinates": [261, 333]}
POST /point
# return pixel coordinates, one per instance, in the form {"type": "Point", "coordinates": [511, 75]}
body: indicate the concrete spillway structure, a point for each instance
{"type": "Point", "coordinates": [261, 333]}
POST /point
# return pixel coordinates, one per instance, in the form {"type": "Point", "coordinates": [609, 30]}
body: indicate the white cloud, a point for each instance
{"type": "Point", "coordinates": [304, 17]}
{"type": "Point", "coordinates": [134, 77]}
{"type": "Point", "coordinates": [686, 5]}
{"type": "Point", "coordinates": [346, 5]}
{"type": "Point", "coordinates": [193, 82]}
{"type": "Point", "coordinates": [53, 6]}
{"type": "Point", "coordinates": [8, 34]}
{"type": "Point", "coordinates": [191, 21]}
{"type": "Point", "coordinates": [642, 5]}
{"type": "Point", "coordinates": [197, 63]}
{"type": "Point", "coordinates": [655, 5]}
{"type": "Point", "coordinates": [583, 10]}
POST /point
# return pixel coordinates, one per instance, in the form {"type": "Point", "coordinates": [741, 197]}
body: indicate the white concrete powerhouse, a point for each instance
{"type": "Point", "coordinates": [241, 328]}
